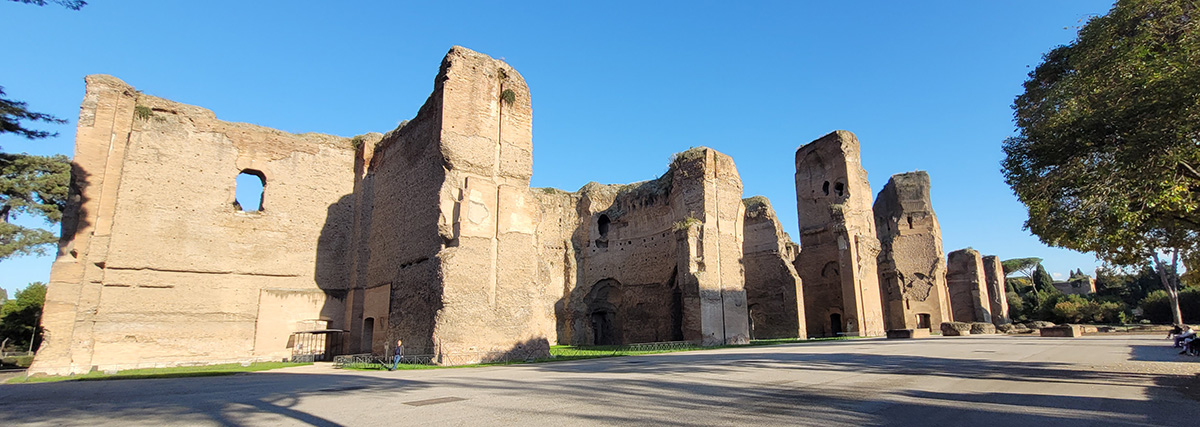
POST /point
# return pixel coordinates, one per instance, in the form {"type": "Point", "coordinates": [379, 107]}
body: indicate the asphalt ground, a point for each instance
{"type": "Point", "coordinates": [977, 380]}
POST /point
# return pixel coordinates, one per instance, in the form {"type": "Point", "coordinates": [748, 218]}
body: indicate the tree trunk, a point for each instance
{"type": "Point", "coordinates": [1170, 282]}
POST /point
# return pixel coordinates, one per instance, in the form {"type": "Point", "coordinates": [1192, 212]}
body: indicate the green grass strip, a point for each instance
{"type": "Point", "coordinates": [175, 372]}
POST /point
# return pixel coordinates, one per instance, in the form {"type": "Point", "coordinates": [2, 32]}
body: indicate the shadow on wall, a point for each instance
{"type": "Point", "coordinates": [332, 268]}
{"type": "Point", "coordinates": [74, 218]}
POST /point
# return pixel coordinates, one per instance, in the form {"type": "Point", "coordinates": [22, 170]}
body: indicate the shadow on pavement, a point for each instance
{"type": "Point", "coordinates": [841, 386]}
{"type": "Point", "coordinates": [225, 400]}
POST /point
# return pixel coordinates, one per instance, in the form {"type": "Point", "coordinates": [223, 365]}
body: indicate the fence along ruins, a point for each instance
{"type": "Point", "coordinates": [429, 233]}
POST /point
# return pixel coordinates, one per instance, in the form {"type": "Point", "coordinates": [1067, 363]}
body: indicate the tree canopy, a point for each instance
{"type": "Point", "coordinates": [36, 186]}
{"type": "Point", "coordinates": [1042, 281]}
{"type": "Point", "coordinates": [1106, 157]}
{"type": "Point", "coordinates": [1025, 266]}
{"type": "Point", "coordinates": [30, 185]}
{"type": "Point", "coordinates": [69, 4]}
{"type": "Point", "coordinates": [19, 316]}
{"type": "Point", "coordinates": [12, 113]}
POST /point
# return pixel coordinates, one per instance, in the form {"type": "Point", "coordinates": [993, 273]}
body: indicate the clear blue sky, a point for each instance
{"type": "Point", "coordinates": [617, 86]}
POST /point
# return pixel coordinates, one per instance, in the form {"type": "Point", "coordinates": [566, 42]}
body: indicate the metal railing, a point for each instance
{"type": "Point", "coordinates": [428, 357]}
{"type": "Point", "coordinates": [626, 349]}
{"type": "Point", "coordinates": [370, 361]}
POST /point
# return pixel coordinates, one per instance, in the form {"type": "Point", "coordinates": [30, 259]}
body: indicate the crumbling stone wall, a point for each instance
{"type": "Point", "coordinates": [993, 272]}
{"type": "Point", "coordinates": [157, 265]}
{"type": "Point", "coordinates": [452, 222]}
{"type": "Point", "coordinates": [837, 238]}
{"type": "Point", "coordinates": [650, 261]}
{"type": "Point", "coordinates": [429, 233]}
{"type": "Point", "coordinates": [773, 288]}
{"type": "Point", "coordinates": [1077, 285]}
{"type": "Point", "coordinates": [912, 270]}
{"type": "Point", "coordinates": [968, 287]}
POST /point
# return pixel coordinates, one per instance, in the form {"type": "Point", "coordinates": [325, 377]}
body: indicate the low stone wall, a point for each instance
{"type": "Point", "coordinates": [908, 333]}
{"type": "Point", "coordinates": [978, 328]}
{"type": "Point", "coordinates": [1068, 331]}
{"type": "Point", "coordinates": [954, 329]}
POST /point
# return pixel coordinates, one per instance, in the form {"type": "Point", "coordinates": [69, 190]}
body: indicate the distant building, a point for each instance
{"type": "Point", "coordinates": [1079, 284]}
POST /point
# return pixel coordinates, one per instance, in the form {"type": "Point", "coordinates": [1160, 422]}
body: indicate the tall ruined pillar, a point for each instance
{"type": "Point", "coordinates": [710, 195]}
{"type": "Point", "coordinates": [76, 277]}
{"type": "Point", "coordinates": [912, 270]}
{"type": "Point", "coordinates": [837, 237]}
{"type": "Point", "coordinates": [773, 288]}
{"type": "Point", "coordinates": [968, 287]}
{"type": "Point", "coordinates": [993, 272]}
{"type": "Point", "coordinates": [452, 233]}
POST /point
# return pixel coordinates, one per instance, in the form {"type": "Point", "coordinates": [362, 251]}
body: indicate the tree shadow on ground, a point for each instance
{"type": "Point", "coordinates": [751, 385]}
{"type": "Point", "coordinates": [228, 400]}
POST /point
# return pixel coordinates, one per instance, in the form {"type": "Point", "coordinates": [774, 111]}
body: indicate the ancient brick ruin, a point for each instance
{"type": "Point", "coordinates": [773, 287]}
{"type": "Point", "coordinates": [912, 268]}
{"type": "Point", "coordinates": [430, 233]}
{"type": "Point", "coordinates": [968, 287]}
{"type": "Point", "coordinates": [652, 261]}
{"type": "Point", "coordinates": [993, 272]}
{"type": "Point", "coordinates": [837, 236]}
{"type": "Point", "coordinates": [158, 264]}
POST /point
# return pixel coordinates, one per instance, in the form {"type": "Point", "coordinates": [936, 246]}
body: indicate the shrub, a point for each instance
{"type": "Point", "coordinates": [1113, 313]}
{"type": "Point", "coordinates": [18, 361]}
{"type": "Point", "coordinates": [1067, 312]}
{"type": "Point", "coordinates": [1016, 307]}
{"type": "Point", "coordinates": [1156, 307]}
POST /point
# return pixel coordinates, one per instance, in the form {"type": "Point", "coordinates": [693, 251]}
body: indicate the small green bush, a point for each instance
{"type": "Point", "coordinates": [142, 112]}
{"type": "Point", "coordinates": [18, 361]}
{"type": "Point", "coordinates": [1156, 307]}
{"type": "Point", "coordinates": [685, 223]}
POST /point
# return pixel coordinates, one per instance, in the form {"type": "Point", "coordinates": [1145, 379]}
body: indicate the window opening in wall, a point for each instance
{"type": "Point", "coordinates": [825, 188]}
{"type": "Point", "coordinates": [249, 190]}
{"type": "Point", "coordinates": [603, 224]}
{"type": "Point", "coordinates": [910, 222]}
{"type": "Point", "coordinates": [839, 188]}
{"type": "Point", "coordinates": [923, 321]}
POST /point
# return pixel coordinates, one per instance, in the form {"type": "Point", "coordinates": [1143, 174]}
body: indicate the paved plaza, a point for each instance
{"type": "Point", "coordinates": [980, 380]}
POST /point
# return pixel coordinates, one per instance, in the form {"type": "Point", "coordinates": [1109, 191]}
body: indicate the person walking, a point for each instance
{"type": "Point", "coordinates": [399, 354]}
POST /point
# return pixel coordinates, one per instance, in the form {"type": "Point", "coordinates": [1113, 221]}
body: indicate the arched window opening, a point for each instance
{"type": "Point", "coordinates": [839, 189]}
{"type": "Point", "coordinates": [825, 188]}
{"type": "Point", "coordinates": [249, 191]}
{"type": "Point", "coordinates": [830, 270]}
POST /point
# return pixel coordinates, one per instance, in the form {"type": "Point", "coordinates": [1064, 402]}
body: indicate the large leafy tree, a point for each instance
{"type": "Point", "coordinates": [1025, 266]}
{"type": "Point", "coordinates": [30, 185]}
{"type": "Point", "coordinates": [1107, 156]}
{"type": "Point", "coordinates": [69, 4]}
{"type": "Point", "coordinates": [19, 317]}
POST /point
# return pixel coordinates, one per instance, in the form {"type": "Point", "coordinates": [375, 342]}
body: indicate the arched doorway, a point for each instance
{"type": "Point", "coordinates": [368, 335]}
{"type": "Point", "coordinates": [603, 304]}
{"type": "Point", "coordinates": [603, 332]}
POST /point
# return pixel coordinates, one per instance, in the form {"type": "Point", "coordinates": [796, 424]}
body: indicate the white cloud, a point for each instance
{"type": "Point", "coordinates": [1058, 275]}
